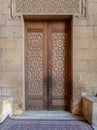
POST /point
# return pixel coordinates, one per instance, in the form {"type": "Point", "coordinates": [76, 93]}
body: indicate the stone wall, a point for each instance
{"type": "Point", "coordinates": [11, 61]}
{"type": "Point", "coordinates": [84, 56]}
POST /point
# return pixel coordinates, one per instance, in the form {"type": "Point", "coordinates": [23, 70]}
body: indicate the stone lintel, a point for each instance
{"type": "Point", "coordinates": [47, 7]}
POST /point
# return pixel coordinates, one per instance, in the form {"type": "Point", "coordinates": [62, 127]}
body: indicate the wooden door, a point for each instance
{"type": "Point", "coordinates": [48, 65]}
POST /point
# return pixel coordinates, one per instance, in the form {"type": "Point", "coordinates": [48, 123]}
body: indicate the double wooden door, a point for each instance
{"type": "Point", "coordinates": [47, 65]}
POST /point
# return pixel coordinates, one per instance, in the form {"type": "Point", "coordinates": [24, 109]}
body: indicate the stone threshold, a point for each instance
{"type": "Point", "coordinates": [47, 115]}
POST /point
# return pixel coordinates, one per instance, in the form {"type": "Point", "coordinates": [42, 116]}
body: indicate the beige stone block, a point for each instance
{"type": "Point", "coordinates": [1, 30]}
{"type": "Point", "coordinates": [90, 109]}
{"type": "Point", "coordinates": [6, 106]}
{"type": "Point", "coordinates": [93, 43]}
{"type": "Point", "coordinates": [95, 31]}
{"type": "Point", "coordinates": [93, 66]}
{"type": "Point", "coordinates": [16, 93]}
{"type": "Point", "coordinates": [14, 22]}
{"type": "Point", "coordinates": [77, 21]}
{"type": "Point", "coordinates": [12, 43]}
{"type": "Point", "coordinates": [92, 14]}
{"type": "Point", "coordinates": [78, 91]}
{"type": "Point", "coordinates": [14, 66]}
{"type": "Point", "coordinates": [95, 114]}
{"type": "Point", "coordinates": [18, 99]}
{"type": "Point", "coordinates": [81, 43]}
{"type": "Point", "coordinates": [92, 1]}
{"type": "Point", "coordinates": [75, 43]}
{"type": "Point", "coordinates": [83, 31]}
{"type": "Point", "coordinates": [4, 8]}
{"type": "Point", "coordinates": [92, 8]}
{"type": "Point", "coordinates": [81, 66]}
{"type": "Point", "coordinates": [87, 109]}
{"type": "Point", "coordinates": [0, 54]}
{"type": "Point", "coordinates": [3, 1]}
{"type": "Point", "coordinates": [93, 54]}
{"type": "Point", "coordinates": [2, 19]}
{"type": "Point", "coordinates": [81, 54]}
{"type": "Point", "coordinates": [89, 91]}
{"type": "Point", "coordinates": [81, 80]}
{"type": "Point", "coordinates": [0, 91]}
{"type": "Point", "coordinates": [11, 54]}
{"type": "Point", "coordinates": [77, 108]}
{"type": "Point", "coordinates": [17, 109]}
{"type": "Point", "coordinates": [10, 79]}
{"type": "Point", "coordinates": [11, 66]}
{"type": "Point", "coordinates": [93, 79]}
{"type": "Point", "coordinates": [2, 66]}
{"type": "Point", "coordinates": [92, 19]}
{"type": "Point", "coordinates": [94, 90]}
{"type": "Point", "coordinates": [15, 31]}
{"type": "Point", "coordinates": [1, 107]}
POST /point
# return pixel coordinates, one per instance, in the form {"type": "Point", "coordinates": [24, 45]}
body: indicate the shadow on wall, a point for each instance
{"type": "Point", "coordinates": [80, 89]}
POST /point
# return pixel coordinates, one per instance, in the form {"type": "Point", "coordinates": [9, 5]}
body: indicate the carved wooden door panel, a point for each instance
{"type": "Point", "coordinates": [58, 66]}
{"type": "Point", "coordinates": [36, 93]}
{"type": "Point", "coordinates": [46, 70]}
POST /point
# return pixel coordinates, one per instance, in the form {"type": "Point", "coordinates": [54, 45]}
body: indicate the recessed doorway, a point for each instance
{"type": "Point", "coordinates": [48, 82]}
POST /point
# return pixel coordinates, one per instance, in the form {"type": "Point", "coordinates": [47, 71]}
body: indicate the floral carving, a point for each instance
{"type": "Point", "coordinates": [47, 6]}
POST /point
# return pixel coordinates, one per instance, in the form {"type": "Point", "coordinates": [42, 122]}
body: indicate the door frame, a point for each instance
{"type": "Point", "coordinates": [24, 63]}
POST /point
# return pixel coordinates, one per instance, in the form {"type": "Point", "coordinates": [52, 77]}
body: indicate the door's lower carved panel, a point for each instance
{"type": "Point", "coordinates": [35, 104]}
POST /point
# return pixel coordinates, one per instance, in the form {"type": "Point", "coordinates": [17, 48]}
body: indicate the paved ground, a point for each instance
{"type": "Point", "coordinates": [95, 128]}
{"type": "Point", "coordinates": [48, 115]}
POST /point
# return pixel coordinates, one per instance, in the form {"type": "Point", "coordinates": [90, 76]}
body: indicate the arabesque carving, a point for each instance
{"type": "Point", "coordinates": [47, 6]}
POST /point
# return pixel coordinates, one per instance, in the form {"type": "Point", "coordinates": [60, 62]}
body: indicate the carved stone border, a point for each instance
{"type": "Point", "coordinates": [18, 8]}
{"type": "Point", "coordinates": [84, 8]}
{"type": "Point", "coordinates": [12, 14]}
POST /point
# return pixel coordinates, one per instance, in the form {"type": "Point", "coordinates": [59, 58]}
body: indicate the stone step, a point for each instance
{"type": "Point", "coordinates": [5, 107]}
{"type": "Point", "coordinates": [47, 115]}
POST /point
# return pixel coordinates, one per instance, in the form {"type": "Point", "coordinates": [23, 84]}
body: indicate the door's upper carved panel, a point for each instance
{"type": "Point", "coordinates": [47, 7]}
